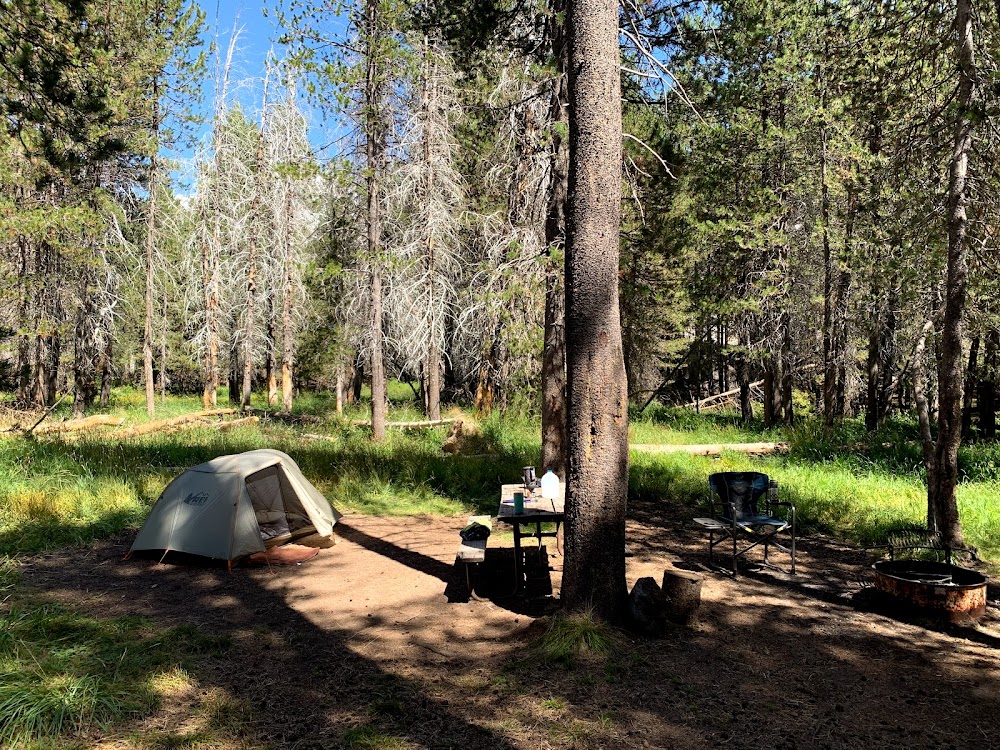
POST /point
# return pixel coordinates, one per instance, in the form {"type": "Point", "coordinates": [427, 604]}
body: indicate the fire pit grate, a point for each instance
{"type": "Point", "coordinates": [933, 587]}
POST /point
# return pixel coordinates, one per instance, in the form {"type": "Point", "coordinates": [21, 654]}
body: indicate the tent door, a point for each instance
{"type": "Point", "coordinates": [279, 512]}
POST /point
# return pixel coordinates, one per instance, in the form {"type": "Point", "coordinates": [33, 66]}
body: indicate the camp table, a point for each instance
{"type": "Point", "coordinates": [536, 512]}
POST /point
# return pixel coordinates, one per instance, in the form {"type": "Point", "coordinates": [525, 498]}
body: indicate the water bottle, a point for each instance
{"type": "Point", "coordinates": [550, 486]}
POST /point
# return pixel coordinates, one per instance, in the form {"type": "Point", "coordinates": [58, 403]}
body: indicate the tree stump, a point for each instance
{"type": "Point", "coordinates": [682, 589]}
{"type": "Point", "coordinates": [646, 608]}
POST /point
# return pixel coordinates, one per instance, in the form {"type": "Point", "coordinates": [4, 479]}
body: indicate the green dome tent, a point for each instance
{"type": "Point", "coordinates": [234, 506]}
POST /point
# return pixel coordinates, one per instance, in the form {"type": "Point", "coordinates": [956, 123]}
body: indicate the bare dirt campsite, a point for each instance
{"type": "Point", "coordinates": [374, 644]}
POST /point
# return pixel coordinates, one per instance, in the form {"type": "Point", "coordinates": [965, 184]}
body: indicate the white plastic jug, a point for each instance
{"type": "Point", "coordinates": [550, 486]}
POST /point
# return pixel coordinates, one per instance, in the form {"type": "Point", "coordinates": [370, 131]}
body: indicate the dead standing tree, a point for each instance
{"type": "Point", "coordinates": [427, 201]}
{"type": "Point", "coordinates": [294, 194]}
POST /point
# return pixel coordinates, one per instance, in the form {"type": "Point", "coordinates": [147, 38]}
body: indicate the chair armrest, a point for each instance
{"type": "Point", "coordinates": [731, 507]}
{"type": "Point", "coordinates": [790, 506]}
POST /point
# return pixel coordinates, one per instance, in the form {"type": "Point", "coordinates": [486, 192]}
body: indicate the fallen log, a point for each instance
{"type": "Point", "coordinates": [44, 415]}
{"type": "Point", "coordinates": [405, 425]}
{"type": "Point", "coordinates": [161, 425]}
{"type": "Point", "coordinates": [314, 436]}
{"type": "Point", "coordinates": [285, 416]}
{"type": "Point", "coordinates": [237, 422]}
{"type": "Point", "coordinates": [86, 423]}
{"type": "Point", "coordinates": [701, 403]}
{"type": "Point", "coordinates": [713, 449]}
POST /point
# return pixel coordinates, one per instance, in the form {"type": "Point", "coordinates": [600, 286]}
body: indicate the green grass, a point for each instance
{"type": "Point", "coordinates": [673, 426]}
{"type": "Point", "coordinates": [62, 673]}
{"type": "Point", "coordinates": [574, 636]}
{"type": "Point", "coordinates": [861, 487]}
{"type": "Point", "coordinates": [846, 483]}
{"type": "Point", "coordinates": [369, 737]}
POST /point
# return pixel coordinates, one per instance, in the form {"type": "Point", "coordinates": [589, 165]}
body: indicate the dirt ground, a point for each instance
{"type": "Point", "coordinates": [377, 631]}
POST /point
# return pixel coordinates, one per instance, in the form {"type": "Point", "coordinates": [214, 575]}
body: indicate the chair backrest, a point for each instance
{"type": "Point", "coordinates": [741, 488]}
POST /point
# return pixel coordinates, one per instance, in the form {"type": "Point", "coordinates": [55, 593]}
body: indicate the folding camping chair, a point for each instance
{"type": "Point", "coordinates": [743, 506]}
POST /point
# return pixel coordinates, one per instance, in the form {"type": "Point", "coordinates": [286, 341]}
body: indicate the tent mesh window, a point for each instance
{"type": "Point", "coordinates": [279, 512]}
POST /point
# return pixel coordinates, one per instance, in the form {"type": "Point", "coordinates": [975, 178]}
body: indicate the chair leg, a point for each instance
{"type": "Point", "coordinates": [793, 542]}
{"type": "Point", "coordinates": [736, 571]}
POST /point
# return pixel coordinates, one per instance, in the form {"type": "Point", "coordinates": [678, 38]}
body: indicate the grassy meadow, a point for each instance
{"type": "Point", "coordinates": [72, 490]}
{"type": "Point", "coordinates": [84, 486]}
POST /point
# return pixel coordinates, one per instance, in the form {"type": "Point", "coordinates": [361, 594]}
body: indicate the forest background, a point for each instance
{"type": "Point", "coordinates": [785, 233]}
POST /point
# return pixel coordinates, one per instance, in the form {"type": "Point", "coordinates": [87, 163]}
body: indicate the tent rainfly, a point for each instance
{"type": "Point", "coordinates": [234, 506]}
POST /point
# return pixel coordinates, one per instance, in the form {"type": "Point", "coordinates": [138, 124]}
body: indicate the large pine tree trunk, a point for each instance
{"type": "Point", "coordinates": [829, 358]}
{"type": "Point", "coordinates": [594, 570]}
{"type": "Point", "coordinates": [210, 280]}
{"type": "Point", "coordinates": [106, 360]}
{"type": "Point", "coordinates": [971, 387]}
{"type": "Point", "coordinates": [377, 364]}
{"type": "Point", "coordinates": [163, 351]}
{"type": "Point", "coordinates": [554, 378]}
{"type": "Point", "coordinates": [743, 380]}
{"type": "Point", "coordinates": [554, 437]}
{"type": "Point", "coordinates": [841, 305]}
{"type": "Point", "coordinates": [287, 321]}
{"type": "Point", "coordinates": [249, 341]}
{"type": "Point", "coordinates": [85, 352]}
{"type": "Point", "coordinates": [27, 311]}
{"type": "Point", "coordinates": [986, 397]}
{"type": "Point", "coordinates": [375, 157]}
{"type": "Point", "coordinates": [431, 382]}
{"type": "Point", "coordinates": [150, 253]}
{"type": "Point", "coordinates": [271, 360]}
{"type": "Point", "coordinates": [787, 365]}
{"type": "Point", "coordinates": [941, 498]}
{"type": "Point", "coordinates": [250, 303]}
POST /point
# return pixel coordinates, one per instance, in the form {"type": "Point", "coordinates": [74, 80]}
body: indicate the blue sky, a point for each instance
{"type": "Point", "coordinates": [256, 36]}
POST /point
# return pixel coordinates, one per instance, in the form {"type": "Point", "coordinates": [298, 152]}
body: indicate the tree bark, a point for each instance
{"type": "Point", "coordinates": [250, 306]}
{"type": "Point", "coordinates": [26, 313]}
{"type": "Point", "coordinates": [271, 363]}
{"type": "Point", "coordinates": [594, 570]}
{"type": "Point", "coordinates": [432, 361]}
{"type": "Point", "coordinates": [106, 372]}
{"type": "Point", "coordinates": [770, 403]}
{"type": "Point", "coordinates": [163, 353]}
{"type": "Point", "coordinates": [986, 397]}
{"type": "Point", "coordinates": [971, 387]}
{"type": "Point", "coordinates": [340, 390]}
{"type": "Point", "coordinates": [287, 330]}
{"type": "Point", "coordinates": [829, 361]}
{"type": "Point", "coordinates": [374, 130]}
{"type": "Point", "coordinates": [923, 414]}
{"type": "Point", "coordinates": [554, 438]}
{"type": "Point", "coordinates": [85, 354]}
{"type": "Point", "coordinates": [941, 487]}
{"type": "Point", "coordinates": [787, 355]}
{"type": "Point", "coordinates": [743, 380]}
{"type": "Point", "coordinates": [553, 375]}
{"type": "Point", "coordinates": [150, 253]}
{"type": "Point", "coordinates": [210, 279]}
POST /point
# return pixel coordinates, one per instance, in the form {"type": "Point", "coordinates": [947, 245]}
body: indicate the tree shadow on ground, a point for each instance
{"type": "Point", "coordinates": [305, 686]}
{"type": "Point", "coordinates": [768, 665]}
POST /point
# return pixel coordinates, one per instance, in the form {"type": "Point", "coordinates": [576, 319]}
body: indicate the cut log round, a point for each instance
{"type": "Point", "coordinates": [682, 589]}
